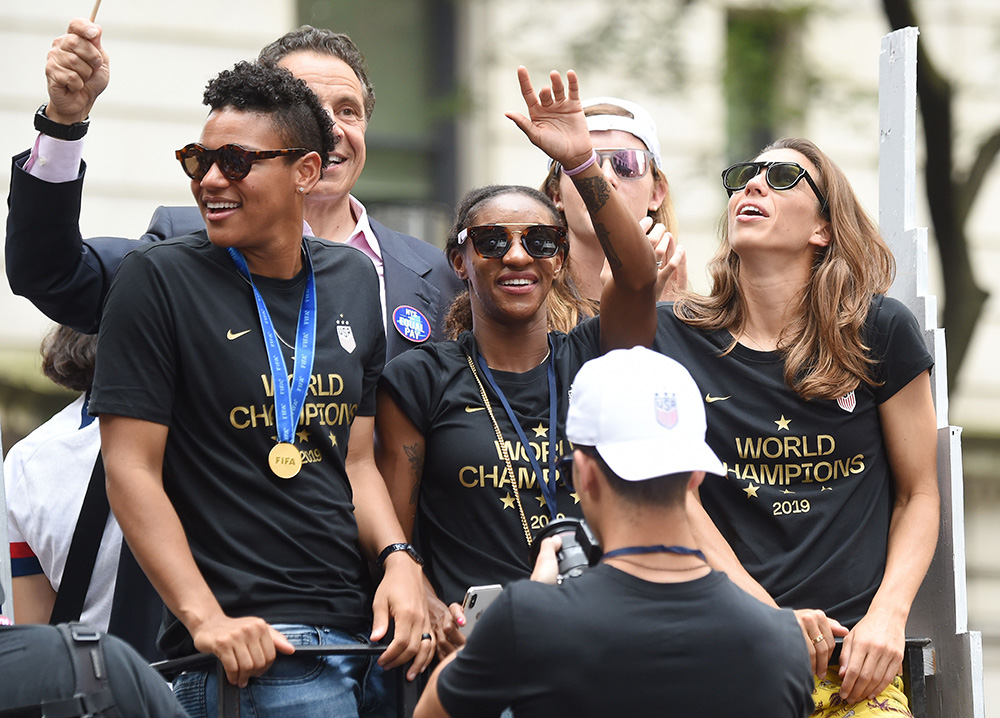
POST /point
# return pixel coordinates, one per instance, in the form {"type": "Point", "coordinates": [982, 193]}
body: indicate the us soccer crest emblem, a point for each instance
{"type": "Point", "coordinates": [346, 335]}
{"type": "Point", "coordinates": [847, 402]}
{"type": "Point", "coordinates": [666, 410]}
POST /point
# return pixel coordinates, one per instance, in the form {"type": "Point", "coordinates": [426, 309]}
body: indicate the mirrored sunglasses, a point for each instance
{"type": "Point", "coordinates": [627, 163]}
{"type": "Point", "coordinates": [234, 161]}
{"type": "Point", "coordinates": [492, 241]}
{"type": "Point", "coordinates": [779, 176]}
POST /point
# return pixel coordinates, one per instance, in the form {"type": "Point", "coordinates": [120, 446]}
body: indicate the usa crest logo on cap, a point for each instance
{"type": "Point", "coordinates": [411, 324]}
{"type": "Point", "coordinates": [666, 410]}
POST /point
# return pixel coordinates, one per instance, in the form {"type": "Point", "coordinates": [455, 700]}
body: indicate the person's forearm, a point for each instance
{"type": "Point", "coordinates": [377, 523]}
{"type": "Point", "coordinates": [628, 301]}
{"type": "Point", "coordinates": [399, 458]}
{"type": "Point", "coordinates": [156, 537]}
{"type": "Point", "coordinates": [913, 534]}
{"type": "Point", "coordinates": [625, 245]}
{"type": "Point", "coordinates": [429, 705]}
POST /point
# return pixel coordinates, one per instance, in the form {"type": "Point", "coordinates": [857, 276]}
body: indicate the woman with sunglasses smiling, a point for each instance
{"type": "Point", "coordinates": [469, 430]}
{"type": "Point", "coordinates": [818, 401]}
{"type": "Point", "coordinates": [236, 386]}
{"type": "Point", "coordinates": [628, 152]}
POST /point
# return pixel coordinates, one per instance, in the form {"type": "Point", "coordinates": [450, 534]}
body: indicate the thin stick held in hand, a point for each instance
{"type": "Point", "coordinates": [93, 13]}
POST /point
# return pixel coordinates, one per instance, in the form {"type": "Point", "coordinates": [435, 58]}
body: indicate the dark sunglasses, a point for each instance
{"type": "Point", "coordinates": [627, 163]}
{"type": "Point", "coordinates": [565, 468]}
{"type": "Point", "coordinates": [779, 176]}
{"type": "Point", "coordinates": [235, 162]}
{"type": "Point", "coordinates": [492, 241]}
{"type": "Point", "coordinates": [565, 464]}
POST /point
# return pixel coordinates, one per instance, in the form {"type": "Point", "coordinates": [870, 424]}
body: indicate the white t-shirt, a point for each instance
{"type": "Point", "coordinates": [46, 475]}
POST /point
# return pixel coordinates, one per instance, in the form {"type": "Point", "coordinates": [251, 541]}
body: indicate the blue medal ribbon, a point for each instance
{"type": "Point", "coordinates": [288, 400]}
{"type": "Point", "coordinates": [548, 486]}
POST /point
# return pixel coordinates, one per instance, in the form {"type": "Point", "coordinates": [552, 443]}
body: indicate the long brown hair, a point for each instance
{"type": "Point", "coordinates": [565, 305]}
{"type": "Point", "coordinates": [825, 356]}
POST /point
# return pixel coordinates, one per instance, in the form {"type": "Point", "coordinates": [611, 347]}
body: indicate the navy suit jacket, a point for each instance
{"type": "Point", "coordinates": [67, 277]}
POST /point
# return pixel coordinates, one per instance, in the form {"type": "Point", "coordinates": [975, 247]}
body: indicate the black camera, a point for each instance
{"type": "Point", "coordinates": [579, 549]}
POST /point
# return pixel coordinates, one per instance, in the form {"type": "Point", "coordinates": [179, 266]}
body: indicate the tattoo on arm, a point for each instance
{"type": "Point", "coordinates": [603, 236]}
{"type": "Point", "coordinates": [595, 193]}
{"type": "Point", "coordinates": [415, 454]}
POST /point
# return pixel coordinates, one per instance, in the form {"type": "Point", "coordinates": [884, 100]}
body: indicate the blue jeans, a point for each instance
{"type": "Point", "coordinates": [303, 687]}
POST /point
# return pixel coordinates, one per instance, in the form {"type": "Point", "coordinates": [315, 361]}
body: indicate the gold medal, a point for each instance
{"type": "Point", "coordinates": [284, 460]}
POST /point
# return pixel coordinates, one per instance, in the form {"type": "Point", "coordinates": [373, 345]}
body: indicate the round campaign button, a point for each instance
{"type": "Point", "coordinates": [411, 323]}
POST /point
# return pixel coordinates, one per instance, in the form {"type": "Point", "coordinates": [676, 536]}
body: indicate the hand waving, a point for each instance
{"type": "Point", "coordinates": [555, 122]}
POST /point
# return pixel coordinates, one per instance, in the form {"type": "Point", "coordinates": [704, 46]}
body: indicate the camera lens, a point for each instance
{"type": "Point", "coordinates": [579, 548]}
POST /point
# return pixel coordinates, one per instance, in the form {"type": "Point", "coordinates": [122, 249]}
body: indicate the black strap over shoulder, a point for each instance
{"type": "Point", "coordinates": [92, 697]}
{"type": "Point", "coordinates": [79, 568]}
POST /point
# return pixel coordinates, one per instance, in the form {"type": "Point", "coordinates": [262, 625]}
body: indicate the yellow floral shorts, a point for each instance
{"type": "Point", "coordinates": [890, 702]}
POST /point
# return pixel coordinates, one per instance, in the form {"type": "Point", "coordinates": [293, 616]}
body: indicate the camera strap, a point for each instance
{"type": "Point", "coordinates": [548, 485]}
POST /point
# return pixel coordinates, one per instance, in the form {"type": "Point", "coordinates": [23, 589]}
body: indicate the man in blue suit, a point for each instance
{"type": "Point", "coordinates": [67, 277]}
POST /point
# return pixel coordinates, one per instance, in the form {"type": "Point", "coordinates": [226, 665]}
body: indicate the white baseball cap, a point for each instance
{"type": "Point", "coordinates": [640, 123]}
{"type": "Point", "coordinates": [643, 413]}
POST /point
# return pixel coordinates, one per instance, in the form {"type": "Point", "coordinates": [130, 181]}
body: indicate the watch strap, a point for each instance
{"type": "Point", "coordinates": [48, 126]}
{"type": "Point", "coordinates": [393, 548]}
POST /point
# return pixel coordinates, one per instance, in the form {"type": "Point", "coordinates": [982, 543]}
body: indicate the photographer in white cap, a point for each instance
{"type": "Point", "coordinates": [650, 630]}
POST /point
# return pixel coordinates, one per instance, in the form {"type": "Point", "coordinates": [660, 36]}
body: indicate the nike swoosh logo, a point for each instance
{"type": "Point", "coordinates": [230, 335]}
{"type": "Point", "coordinates": [709, 399]}
{"type": "Point", "coordinates": [470, 409]}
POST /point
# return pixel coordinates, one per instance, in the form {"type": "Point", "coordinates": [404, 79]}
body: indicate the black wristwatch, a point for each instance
{"type": "Point", "coordinates": [394, 547]}
{"type": "Point", "coordinates": [48, 126]}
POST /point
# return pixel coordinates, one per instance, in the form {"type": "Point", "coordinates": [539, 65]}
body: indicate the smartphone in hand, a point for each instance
{"type": "Point", "coordinates": [477, 599]}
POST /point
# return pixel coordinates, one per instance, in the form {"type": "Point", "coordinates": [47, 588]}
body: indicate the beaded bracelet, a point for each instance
{"type": "Point", "coordinates": [585, 165]}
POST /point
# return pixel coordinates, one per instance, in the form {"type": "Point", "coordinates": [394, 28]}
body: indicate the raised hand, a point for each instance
{"type": "Point", "coordinates": [76, 71]}
{"type": "Point", "coordinates": [555, 122]}
{"type": "Point", "coordinates": [671, 264]}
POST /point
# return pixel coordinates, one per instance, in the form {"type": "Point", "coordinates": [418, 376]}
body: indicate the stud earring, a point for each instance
{"type": "Point", "coordinates": [301, 190]}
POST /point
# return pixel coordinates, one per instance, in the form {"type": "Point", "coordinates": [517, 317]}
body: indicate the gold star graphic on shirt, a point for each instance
{"type": "Point", "coordinates": [508, 501]}
{"type": "Point", "coordinates": [783, 423]}
{"type": "Point", "coordinates": [826, 488]}
{"type": "Point", "coordinates": [303, 435]}
{"type": "Point", "coordinates": [541, 499]}
{"type": "Point", "coordinates": [576, 497]}
{"type": "Point", "coordinates": [333, 438]}
{"type": "Point", "coordinates": [541, 431]}
{"type": "Point", "coordinates": [751, 490]}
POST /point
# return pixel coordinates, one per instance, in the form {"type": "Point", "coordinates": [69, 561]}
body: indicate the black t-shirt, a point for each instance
{"type": "Point", "coordinates": [468, 526]}
{"type": "Point", "coordinates": [807, 497]}
{"type": "Point", "coordinates": [611, 644]}
{"type": "Point", "coordinates": [181, 345]}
